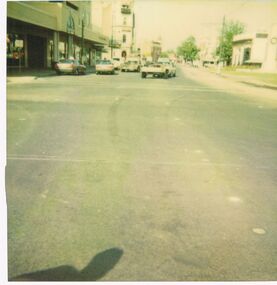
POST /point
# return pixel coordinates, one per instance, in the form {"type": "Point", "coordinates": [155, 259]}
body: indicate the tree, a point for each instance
{"type": "Point", "coordinates": [228, 31]}
{"type": "Point", "coordinates": [167, 53]}
{"type": "Point", "coordinates": [188, 49]}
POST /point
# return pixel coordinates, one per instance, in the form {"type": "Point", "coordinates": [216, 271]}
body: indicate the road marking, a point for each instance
{"type": "Point", "coordinates": [259, 231]}
{"type": "Point", "coordinates": [46, 159]}
{"type": "Point", "coordinates": [152, 162]}
{"type": "Point", "coordinates": [198, 151]}
{"type": "Point", "coordinates": [234, 199]}
{"type": "Point", "coordinates": [22, 119]}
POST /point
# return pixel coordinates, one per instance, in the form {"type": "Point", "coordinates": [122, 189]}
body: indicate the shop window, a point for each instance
{"type": "Point", "coordinates": [15, 50]}
{"type": "Point", "coordinates": [62, 50]}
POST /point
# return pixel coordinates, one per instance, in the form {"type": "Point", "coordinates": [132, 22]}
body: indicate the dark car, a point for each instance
{"type": "Point", "coordinates": [71, 66]}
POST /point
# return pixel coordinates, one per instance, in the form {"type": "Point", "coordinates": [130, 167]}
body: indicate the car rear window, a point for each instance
{"type": "Point", "coordinates": [104, 62]}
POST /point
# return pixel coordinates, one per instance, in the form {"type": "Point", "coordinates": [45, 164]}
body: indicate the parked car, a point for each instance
{"type": "Point", "coordinates": [117, 63]}
{"type": "Point", "coordinates": [131, 65]}
{"type": "Point", "coordinates": [105, 66]}
{"type": "Point", "coordinates": [72, 66]}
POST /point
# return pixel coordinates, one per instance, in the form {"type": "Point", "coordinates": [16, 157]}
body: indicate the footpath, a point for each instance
{"type": "Point", "coordinates": [232, 84]}
{"type": "Point", "coordinates": [28, 75]}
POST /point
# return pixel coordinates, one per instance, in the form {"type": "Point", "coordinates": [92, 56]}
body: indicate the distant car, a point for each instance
{"type": "Point", "coordinates": [131, 65]}
{"type": "Point", "coordinates": [72, 66]}
{"type": "Point", "coordinates": [117, 63]}
{"type": "Point", "coordinates": [169, 65]}
{"type": "Point", "coordinates": [105, 66]}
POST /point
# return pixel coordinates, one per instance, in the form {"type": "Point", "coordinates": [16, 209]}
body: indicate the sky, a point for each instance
{"type": "Point", "coordinates": [175, 20]}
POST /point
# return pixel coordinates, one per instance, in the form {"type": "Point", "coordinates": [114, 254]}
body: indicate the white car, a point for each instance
{"type": "Point", "coordinates": [169, 65]}
{"type": "Point", "coordinates": [117, 63]}
{"type": "Point", "coordinates": [131, 65]}
{"type": "Point", "coordinates": [105, 66]}
{"type": "Point", "coordinates": [155, 69]}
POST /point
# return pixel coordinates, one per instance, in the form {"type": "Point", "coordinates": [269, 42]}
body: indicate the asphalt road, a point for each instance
{"type": "Point", "coordinates": [122, 178]}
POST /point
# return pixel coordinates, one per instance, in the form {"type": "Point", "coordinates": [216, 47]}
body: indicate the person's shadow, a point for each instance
{"type": "Point", "coordinates": [100, 265]}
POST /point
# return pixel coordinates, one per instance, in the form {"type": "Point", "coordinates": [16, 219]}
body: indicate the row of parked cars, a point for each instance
{"type": "Point", "coordinates": [163, 68]}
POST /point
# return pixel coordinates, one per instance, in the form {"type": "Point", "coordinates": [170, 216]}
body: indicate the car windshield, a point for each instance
{"type": "Point", "coordinates": [66, 61]}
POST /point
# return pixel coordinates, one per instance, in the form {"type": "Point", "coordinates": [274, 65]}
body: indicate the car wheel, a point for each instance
{"type": "Point", "coordinates": [143, 75]}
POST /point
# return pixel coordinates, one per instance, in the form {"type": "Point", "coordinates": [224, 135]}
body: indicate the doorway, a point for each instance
{"type": "Point", "coordinates": [36, 51]}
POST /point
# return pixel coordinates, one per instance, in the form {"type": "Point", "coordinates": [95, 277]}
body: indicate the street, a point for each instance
{"type": "Point", "coordinates": [176, 179]}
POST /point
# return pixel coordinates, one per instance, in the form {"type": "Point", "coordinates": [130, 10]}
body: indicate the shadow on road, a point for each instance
{"type": "Point", "coordinates": [98, 267]}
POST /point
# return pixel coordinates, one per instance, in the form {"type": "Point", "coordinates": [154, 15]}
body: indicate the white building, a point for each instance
{"type": "Point", "coordinates": [250, 49]}
{"type": "Point", "coordinates": [270, 60]}
{"type": "Point", "coordinates": [123, 24]}
{"type": "Point", "coordinates": [151, 49]}
{"type": "Point", "coordinates": [117, 20]}
{"type": "Point", "coordinates": [258, 49]}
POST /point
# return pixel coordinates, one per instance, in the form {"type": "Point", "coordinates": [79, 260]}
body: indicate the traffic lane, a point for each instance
{"type": "Point", "coordinates": [168, 205]}
{"type": "Point", "coordinates": [227, 202]}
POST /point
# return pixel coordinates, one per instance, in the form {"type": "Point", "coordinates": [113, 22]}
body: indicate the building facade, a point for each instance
{"type": "Point", "coordinates": [151, 49]}
{"type": "Point", "coordinates": [249, 49]}
{"type": "Point", "coordinates": [41, 33]}
{"type": "Point", "coordinates": [118, 22]}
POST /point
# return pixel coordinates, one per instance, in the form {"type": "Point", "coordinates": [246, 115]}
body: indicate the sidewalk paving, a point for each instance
{"type": "Point", "coordinates": [28, 75]}
{"type": "Point", "coordinates": [232, 84]}
{"type": "Point", "coordinates": [249, 81]}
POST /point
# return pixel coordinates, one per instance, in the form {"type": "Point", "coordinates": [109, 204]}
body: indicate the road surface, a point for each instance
{"type": "Point", "coordinates": [121, 178]}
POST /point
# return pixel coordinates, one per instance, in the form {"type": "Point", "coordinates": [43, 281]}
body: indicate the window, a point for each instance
{"type": "Point", "coordinates": [246, 54]}
{"type": "Point", "coordinates": [15, 50]}
{"type": "Point", "coordinates": [124, 38]}
{"type": "Point", "coordinates": [124, 21]}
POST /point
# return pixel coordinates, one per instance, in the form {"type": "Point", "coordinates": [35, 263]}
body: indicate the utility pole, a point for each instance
{"type": "Point", "coordinates": [220, 63]}
{"type": "Point", "coordinates": [82, 43]}
{"type": "Point", "coordinates": [112, 45]}
{"type": "Point", "coordinates": [112, 31]}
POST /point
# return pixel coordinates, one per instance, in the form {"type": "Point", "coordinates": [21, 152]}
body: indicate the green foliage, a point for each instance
{"type": "Point", "coordinates": [188, 49]}
{"type": "Point", "coordinates": [229, 30]}
{"type": "Point", "coordinates": [164, 54]}
{"type": "Point", "coordinates": [167, 53]}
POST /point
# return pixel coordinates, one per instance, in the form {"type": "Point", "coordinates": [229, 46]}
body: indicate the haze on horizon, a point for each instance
{"type": "Point", "coordinates": [175, 20]}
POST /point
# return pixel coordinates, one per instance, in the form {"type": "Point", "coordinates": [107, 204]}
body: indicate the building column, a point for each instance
{"type": "Point", "coordinates": [70, 46]}
{"type": "Point", "coordinates": [56, 40]}
{"type": "Point", "coordinates": [26, 51]}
